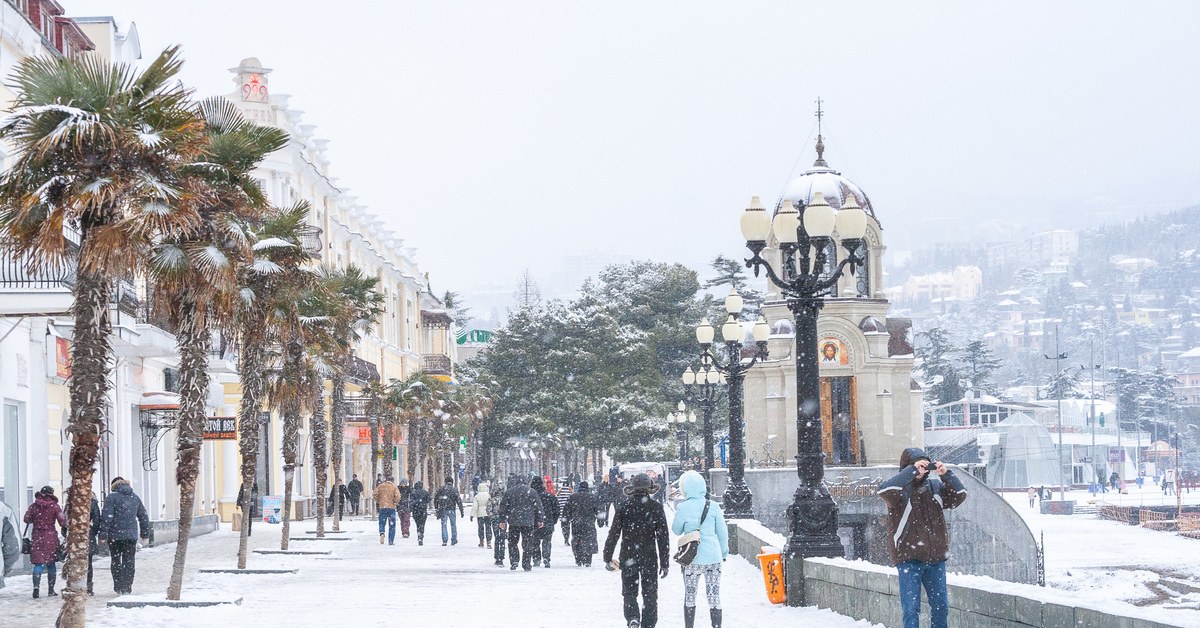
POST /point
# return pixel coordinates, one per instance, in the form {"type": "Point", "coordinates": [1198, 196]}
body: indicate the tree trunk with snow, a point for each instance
{"type": "Point", "coordinates": [337, 423]}
{"type": "Point", "coordinates": [194, 339]}
{"type": "Point", "coordinates": [320, 453]}
{"type": "Point", "coordinates": [251, 363]}
{"type": "Point", "coordinates": [91, 354]}
{"type": "Point", "coordinates": [288, 451]}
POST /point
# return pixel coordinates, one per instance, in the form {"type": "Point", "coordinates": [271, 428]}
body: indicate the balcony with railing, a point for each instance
{"type": "Point", "coordinates": [310, 241]}
{"type": "Point", "coordinates": [437, 364]}
{"type": "Point", "coordinates": [30, 289]}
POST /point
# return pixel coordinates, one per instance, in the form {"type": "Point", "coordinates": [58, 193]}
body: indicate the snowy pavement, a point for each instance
{"type": "Point", "coordinates": [1106, 561]}
{"type": "Point", "coordinates": [368, 584]}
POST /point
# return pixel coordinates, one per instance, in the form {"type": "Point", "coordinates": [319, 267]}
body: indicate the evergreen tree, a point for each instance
{"type": "Point", "coordinates": [940, 375]}
{"type": "Point", "coordinates": [1063, 385]}
{"type": "Point", "coordinates": [731, 272]}
{"type": "Point", "coordinates": [981, 362]}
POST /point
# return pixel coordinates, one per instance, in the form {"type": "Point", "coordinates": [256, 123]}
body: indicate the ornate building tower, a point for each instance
{"type": "Point", "coordinates": [870, 404]}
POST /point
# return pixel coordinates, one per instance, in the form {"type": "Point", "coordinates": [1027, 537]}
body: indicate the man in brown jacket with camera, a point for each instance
{"type": "Point", "coordinates": [916, 498]}
{"type": "Point", "coordinates": [386, 497]}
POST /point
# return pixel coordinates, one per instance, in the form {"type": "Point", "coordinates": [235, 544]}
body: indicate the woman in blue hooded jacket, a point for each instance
{"type": "Point", "coordinates": [714, 546]}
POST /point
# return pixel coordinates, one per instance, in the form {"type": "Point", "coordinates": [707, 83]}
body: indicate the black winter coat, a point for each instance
{"type": "Point", "coordinates": [521, 506]}
{"type": "Point", "coordinates": [405, 504]}
{"type": "Point", "coordinates": [355, 488]}
{"type": "Point", "coordinates": [419, 501]}
{"type": "Point", "coordinates": [641, 526]}
{"type": "Point", "coordinates": [580, 513]}
{"type": "Point", "coordinates": [447, 499]}
{"type": "Point", "coordinates": [550, 510]}
{"type": "Point", "coordinates": [124, 515]}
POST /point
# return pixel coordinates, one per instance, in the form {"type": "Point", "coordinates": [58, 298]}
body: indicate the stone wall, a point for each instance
{"type": "Point", "coordinates": [865, 591]}
{"type": "Point", "coordinates": [987, 537]}
{"type": "Point", "coordinates": [165, 531]}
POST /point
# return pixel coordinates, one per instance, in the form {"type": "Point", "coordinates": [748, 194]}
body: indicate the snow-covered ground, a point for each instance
{"type": "Point", "coordinates": [1104, 560]}
{"type": "Point", "coordinates": [364, 583]}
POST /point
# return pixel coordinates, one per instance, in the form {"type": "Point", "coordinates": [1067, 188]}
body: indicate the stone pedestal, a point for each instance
{"type": "Point", "coordinates": [793, 578]}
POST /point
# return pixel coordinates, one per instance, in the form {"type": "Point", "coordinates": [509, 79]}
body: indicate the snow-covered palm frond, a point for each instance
{"type": "Point", "coordinates": [272, 243]}
{"type": "Point", "coordinates": [264, 266]}
{"type": "Point", "coordinates": [149, 139]}
{"type": "Point", "coordinates": [162, 189]}
{"type": "Point", "coordinates": [158, 208]}
{"type": "Point", "coordinates": [40, 192]}
{"type": "Point", "coordinates": [247, 296]}
{"type": "Point", "coordinates": [308, 320]}
{"type": "Point", "coordinates": [208, 165]}
{"type": "Point", "coordinates": [97, 185]}
{"type": "Point", "coordinates": [168, 257]}
{"type": "Point", "coordinates": [210, 257]}
{"type": "Point", "coordinates": [67, 109]}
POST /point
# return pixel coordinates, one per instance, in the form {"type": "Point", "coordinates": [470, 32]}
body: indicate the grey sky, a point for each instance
{"type": "Point", "coordinates": [496, 136]}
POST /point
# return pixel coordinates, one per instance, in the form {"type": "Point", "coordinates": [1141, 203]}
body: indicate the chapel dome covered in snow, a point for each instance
{"type": "Point", "coordinates": [821, 178]}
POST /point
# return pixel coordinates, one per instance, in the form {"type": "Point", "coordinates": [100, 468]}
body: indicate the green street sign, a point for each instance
{"type": "Point", "coordinates": [481, 336]}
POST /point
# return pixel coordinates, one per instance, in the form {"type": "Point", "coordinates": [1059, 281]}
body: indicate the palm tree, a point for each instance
{"type": "Point", "coordinates": [266, 283]}
{"type": "Point", "coordinates": [361, 307]}
{"type": "Point", "coordinates": [196, 280]}
{"type": "Point", "coordinates": [97, 146]}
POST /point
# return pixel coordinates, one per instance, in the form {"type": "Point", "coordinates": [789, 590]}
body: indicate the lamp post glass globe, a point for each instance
{"type": "Point", "coordinates": [786, 223]}
{"type": "Point", "coordinates": [756, 222]}
{"type": "Point", "coordinates": [691, 417]}
{"type": "Point", "coordinates": [851, 220]}
{"type": "Point", "coordinates": [689, 376]}
{"type": "Point", "coordinates": [819, 217]}
{"type": "Point", "coordinates": [734, 302]}
{"type": "Point", "coordinates": [731, 331]}
{"type": "Point", "coordinates": [705, 332]}
{"type": "Point", "coordinates": [714, 376]}
{"type": "Point", "coordinates": [761, 331]}
{"type": "Point", "coordinates": [682, 406]}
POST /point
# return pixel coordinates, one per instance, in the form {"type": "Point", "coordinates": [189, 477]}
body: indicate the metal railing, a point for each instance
{"type": "Point", "coordinates": [15, 273]}
{"type": "Point", "coordinates": [310, 240]}
{"type": "Point", "coordinates": [436, 364]}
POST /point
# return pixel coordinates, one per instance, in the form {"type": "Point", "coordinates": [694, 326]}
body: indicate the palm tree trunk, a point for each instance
{"type": "Point", "coordinates": [410, 461]}
{"type": "Point", "coordinates": [251, 359]}
{"type": "Point", "coordinates": [91, 353]}
{"type": "Point", "coordinates": [373, 421]}
{"type": "Point", "coordinates": [320, 453]}
{"type": "Point", "coordinates": [291, 429]}
{"type": "Point", "coordinates": [337, 420]}
{"type": "Point", "coordinates": [389, 441]}
{"type": "Point", "coordinates": [194, 339]}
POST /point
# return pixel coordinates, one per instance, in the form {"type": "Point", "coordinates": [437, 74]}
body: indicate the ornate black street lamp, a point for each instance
{"type": "Point", "coordinates": [705, 388]}
{"type": "Point", "coordinates": [682, 418]}
{"type": "Point", "coordinates": [736, 502]}
{"type": "Point", "coordinates": [805, 235]}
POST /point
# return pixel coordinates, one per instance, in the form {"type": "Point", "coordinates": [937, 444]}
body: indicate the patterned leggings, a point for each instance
{"type": "Point", "coordinates": [712, 584]}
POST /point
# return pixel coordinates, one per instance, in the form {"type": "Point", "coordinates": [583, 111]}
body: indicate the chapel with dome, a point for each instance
{"type": "Point", "coordinates": [870, 403]}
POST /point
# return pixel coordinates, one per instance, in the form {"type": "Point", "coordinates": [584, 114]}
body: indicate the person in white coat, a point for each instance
{"type": "Point", "coordinates": [479, 513]}
{"type": "Point", "coordinates": [10, 541]}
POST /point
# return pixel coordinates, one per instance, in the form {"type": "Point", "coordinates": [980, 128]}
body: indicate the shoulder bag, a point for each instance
{"type": "Point", "coordinates": [689, 544]}
{"type": "Point", "coordinates": [26, 542]}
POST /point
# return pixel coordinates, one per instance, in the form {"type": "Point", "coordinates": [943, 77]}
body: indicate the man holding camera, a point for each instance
{"type": "Point", "coordinates": [916, 498]}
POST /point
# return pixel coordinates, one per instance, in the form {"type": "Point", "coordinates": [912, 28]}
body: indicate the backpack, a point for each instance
{"type": "Point", "coordinates": [689, 544]}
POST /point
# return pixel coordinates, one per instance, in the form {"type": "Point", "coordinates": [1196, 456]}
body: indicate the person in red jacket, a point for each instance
{"type": "Point", "coordinates": [918, 539]}
{"type": "Point", "coordinates": [43, 513]}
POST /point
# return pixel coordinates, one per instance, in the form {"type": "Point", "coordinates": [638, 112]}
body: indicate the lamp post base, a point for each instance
{"type": "Point", "coordinates": [813, 524]}
{"type": "Point", "coordinates": [737, 501]}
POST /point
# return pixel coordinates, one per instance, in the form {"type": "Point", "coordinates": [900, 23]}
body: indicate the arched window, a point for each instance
{"type": "Point", "coordinates": [862, 274]}
{"type": "Point", "coordinates": [830, 265]}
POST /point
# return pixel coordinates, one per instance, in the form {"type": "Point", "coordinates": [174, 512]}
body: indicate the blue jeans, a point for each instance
{"type": "Point", "coordinates": [913, 574]}
{"type": "Point", "coordinates": [387, 517]}
{"type": "Point", "coordinates": [449, 516]}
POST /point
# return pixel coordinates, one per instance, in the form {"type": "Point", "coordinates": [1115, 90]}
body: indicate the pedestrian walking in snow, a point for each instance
{"type": "Point", "coordinates": [10, 541]}
{"type": "Point", "coordinates": [444, 503]}
{"type": "Point", "coordinates": [404, 508]}
{"type": "Point", "coordinates": [520, 514]}
{"type": "Point", "coordinates": [479, 512]}
{"type": "Point", "coordinates": [604, 494]}
{"type": "Point", "coordinates": [42, 514]}
{"type": "Point", "coordinates": [493, 513]}
{"type": "Point", "coordinates": [697, 513]}
{"type": "Point", "coordinates": [579, 516]}
{"type": "Point", "coordinates": [545, 533]}
{"type": "Point", "coordinates": [1032, 494]}
{"type": "Point", "coordinates": [564, 494]}
{"type": "Point", "coordinates": [338, 496]}
{"type": "Point", "coordinates": [387, 497]}
{"type": "Point", "coordinates": [420, 509]}
{"type": "Point", "coordinates": [123, 521]}
{"type": "Point", "coordinates": [355, 490]}
{"type": "Point", "coordinates": [641, 526]}
{"type": "Point", "coordinates": [918, 538]}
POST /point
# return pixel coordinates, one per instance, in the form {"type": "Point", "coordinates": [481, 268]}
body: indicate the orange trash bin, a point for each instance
{"type": "Point", "coordinates": [771, 560]}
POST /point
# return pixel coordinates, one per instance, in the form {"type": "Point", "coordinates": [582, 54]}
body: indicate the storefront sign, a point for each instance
{"type": "Point", "coordinates": [220, 428]}
{"type": "Point", "coordinates": [272, 508]}
{"type": "Point", "coordinates": [1116, 455]}
{"type": "Point", "coordinates": [62, 357]}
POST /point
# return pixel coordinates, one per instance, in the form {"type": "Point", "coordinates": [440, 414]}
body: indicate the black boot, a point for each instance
{"type": "Point", "coordinates": [715, 614]}
{"type": "Point", "coordinates": [37, 584]}
{"type": "Point", "coordinates": [689, 616]}
{"type": "Point", "coordinates": [50, 579]}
